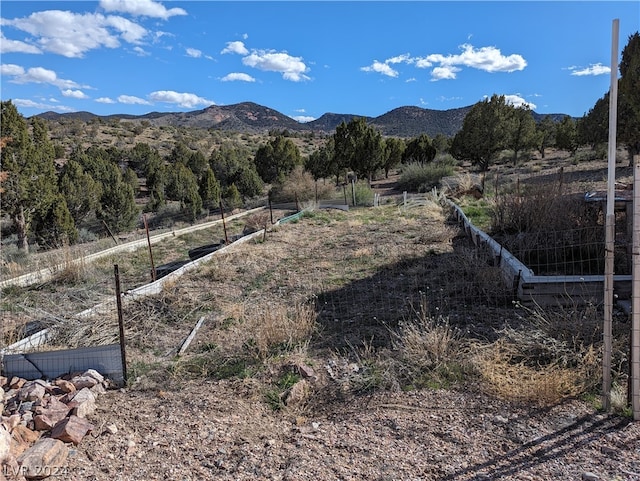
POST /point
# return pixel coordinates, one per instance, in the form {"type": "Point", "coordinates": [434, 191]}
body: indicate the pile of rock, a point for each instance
{"type": "Point", "coordinates": [40, 419]}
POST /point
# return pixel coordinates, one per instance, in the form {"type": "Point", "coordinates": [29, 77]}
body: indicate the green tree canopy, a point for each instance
{"type": "Point", "coordinates": [55, 227]}
{"type": "Point", "coordinates": [31, 186]}
{"type": "Point", "coordinates": [118, 208]}
{"type": "Point", "coordinates": [629, 96]}
{"type": "Point", "coordinates": [521, 131]}
{"type": "Point", "coordinates": [182, 186]}
{"type": "Point", "coordinates": [545, 134]}
{"type": "Point", "coordinates": [593, 127]}
{"type": "Point", "coordinates": [393, 150]}
{"type": "Point", "coordinates": [420, 150]}
{"type": "Point", "coordinates": [567, 135]}
{"type": "Point", "coordinates": [484, 132]}
{"type": "Point", "coordinates": [359, 147]}
{"type": "Point", "coordinates": [319, 162]}
{"type": "Point", "coordinates": [233, 164]}
{"type": "Point", "coordinates": [275, 160]}
{"type": "Point", "coordinates": [209, 189]}
{"type": "Point", "coordinates": [82, 193]}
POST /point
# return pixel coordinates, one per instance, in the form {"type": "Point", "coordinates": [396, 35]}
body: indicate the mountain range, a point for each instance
{"type": "Point", "coordinates": [404, 122]}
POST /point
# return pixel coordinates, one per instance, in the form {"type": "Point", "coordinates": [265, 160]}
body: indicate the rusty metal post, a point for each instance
{"type": "Point", "coordinates": [120, 323]}
{"type": "Point", "coordinates": [224, 224]}
{"type": "Point", "coordinates": [153, 267]}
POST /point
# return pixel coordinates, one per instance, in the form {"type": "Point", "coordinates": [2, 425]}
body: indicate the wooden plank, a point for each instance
{"type": "Point", "coordinates": [191, 336]}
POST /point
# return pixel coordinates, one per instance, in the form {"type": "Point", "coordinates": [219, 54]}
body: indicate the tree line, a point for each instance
{"type": "Point", "coordinates": [46, 203]}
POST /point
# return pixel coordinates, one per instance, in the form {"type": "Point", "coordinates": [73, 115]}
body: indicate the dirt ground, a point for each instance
{"type": "Point", "coordinates": [220, 431]}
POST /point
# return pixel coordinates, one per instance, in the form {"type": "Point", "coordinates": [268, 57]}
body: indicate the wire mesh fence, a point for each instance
{"type": "Point", "coordinates": [366, 273]}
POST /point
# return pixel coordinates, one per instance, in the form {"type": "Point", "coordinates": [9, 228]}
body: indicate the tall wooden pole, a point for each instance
{"type": "Point", "coordinates": [610, 224]}
{"type": "Point", "coordinates": [634, 381]}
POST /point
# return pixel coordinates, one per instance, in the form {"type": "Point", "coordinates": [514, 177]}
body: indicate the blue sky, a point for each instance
{"type": "Point", "coordinates": [305, 59]}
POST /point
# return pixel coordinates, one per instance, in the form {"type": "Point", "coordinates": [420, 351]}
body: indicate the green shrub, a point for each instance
{"type": "Point", "coordinates": [421, 178]}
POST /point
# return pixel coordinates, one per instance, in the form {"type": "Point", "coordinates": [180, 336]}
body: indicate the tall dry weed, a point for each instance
{"type": "Point", "coordinates": [430, 350]}
{"type": "Point", "coordinates": [275, 328]}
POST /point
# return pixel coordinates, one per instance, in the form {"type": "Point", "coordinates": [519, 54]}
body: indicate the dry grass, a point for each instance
{"type": "Point", "coordinates": [506, 371]}
{"type": "Point", "coordinates": [275, 329]}
{"type": "Point", "coordinates": [382, 298]}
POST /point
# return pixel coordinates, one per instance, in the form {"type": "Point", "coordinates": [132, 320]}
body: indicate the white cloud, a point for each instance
{"type": "Point", "coordinates": [73, 34]}
{"type": "Point", "coordinates": [75, 94]}
{"type": "Point", "coordinates": [8, 46]}
{"type": "Point", "coordinates": [517, 101]}
{"type": "Point", "coordinates": [423, 63]}
{"type": "Point", "coordinates": [381, 67]}
{"type": "Point", "coordinates": [185, 100]}
{"type": "Point", "coordinates": [38, 75]}
{"type": "Point", "coordinates": [291, 68]}
{"type": "Point", "coordinates": [11, 69]}
{"type": "Point", "coordinates": [141, 52]}
{"type": "Point", "coordinates": [488, 59]}
{"type": "Point", "coordinates": [238, 76]}
{"type": "Point", "coordinates": [130, 99]}
{"type": "Point", "coordinates": [145, 8]}
{"type": "Point", "coordinates": [194, 52]}
{"type": "Point", "coordinates": [444, 73]}
{"type": "Point", "coordinates": [235, 47]}
{"type": "Point", "coordinates": [404, 58]}
{"type": "Point", "coordinates": [30, 104]}
{"type": "Point", "coordinates": [105, 100]}
{"type": "Point", "coordinates": [303, 118]}
{"type": "Point", "coordinates": [593, 69]}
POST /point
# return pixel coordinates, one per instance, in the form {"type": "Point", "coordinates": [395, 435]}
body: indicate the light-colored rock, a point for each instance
{"type": "Point", "coordinates": [298, 393]}
{"type": "Point", "coordinates": [5, 443]}
{"type": "Point", "coordinates": [589, 477]}
{"type": "Point", "coordinates": [16, 382]}
{"type": "Point", "coordinates": [84, 394]}
{"type": "Point", "coordinates": [83, 403]}
{"type": "Point", "coordinates": [71, 429]}
{"type": "Point", "coordinates": [94, 374]}
{"type": "Point", "coordinates": [111, 429]}
{"type": "Point", "coordinates": [81, 382]}
{"type": "Point", "coordinates": [64, 385]}
{"type": "Point", "coordinates": [32, 391]}
{"type": "Point", "coordinates": [21, 439]}
{"type": "Point", "coordinates": [99, 389]}
{"type": "Point", "coordinates": [44, 458]}
{"type": "Point", "coordinates": [11, 421]}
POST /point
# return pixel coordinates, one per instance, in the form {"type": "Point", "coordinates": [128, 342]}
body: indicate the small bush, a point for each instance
{"type": "Point", "coordinates": [85, 236]}
{"type": "Point", "coordinates": [363, 194]}
{"type": "Point", "coordinates": [421, 178]}
{"type": "Point", "coordinates": [301, 185]}
{"type": "Point", "coordinates": [430, 350]}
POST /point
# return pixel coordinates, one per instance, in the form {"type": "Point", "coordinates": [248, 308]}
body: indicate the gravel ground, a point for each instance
{"type": "Point", "coordinates": [222, 431]}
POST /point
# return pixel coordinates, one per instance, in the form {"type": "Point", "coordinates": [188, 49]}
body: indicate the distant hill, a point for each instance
{"type": "Point", "coordinates": [250, 117]}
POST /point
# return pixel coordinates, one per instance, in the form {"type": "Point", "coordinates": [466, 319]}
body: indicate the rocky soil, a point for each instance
{"type": "Point", "coordinates": [217, 430]}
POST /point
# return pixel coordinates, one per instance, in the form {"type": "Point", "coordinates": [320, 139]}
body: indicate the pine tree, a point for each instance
{"type": "Point", "coordinates": [31, 185]}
